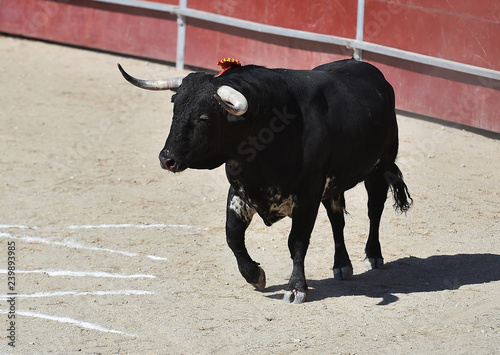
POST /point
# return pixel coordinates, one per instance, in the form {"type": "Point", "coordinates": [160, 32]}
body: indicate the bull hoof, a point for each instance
{"type": "Point", "coordinates": [342, 273]}
{"type": "Point", "coordinates": [374, 263]}
{"type": "Point", "coordinates": [261, 283]}
{"type": "Point", "coordinates": [295, 297]}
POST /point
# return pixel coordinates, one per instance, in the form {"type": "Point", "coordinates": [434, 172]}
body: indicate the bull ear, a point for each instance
{"type": "Point", "coordinates": [232, 100]}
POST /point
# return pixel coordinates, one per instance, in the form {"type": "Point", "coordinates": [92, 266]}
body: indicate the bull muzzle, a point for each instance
{"type": "Point", "coordinates": [169, 162]}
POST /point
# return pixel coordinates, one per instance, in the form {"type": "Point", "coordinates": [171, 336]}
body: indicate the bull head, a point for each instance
{"type": "Point", "coordinates": [197, 137]}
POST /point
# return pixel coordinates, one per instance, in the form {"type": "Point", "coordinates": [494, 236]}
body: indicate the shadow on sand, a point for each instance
{"type": "Point", "coordinates": [407, 275]}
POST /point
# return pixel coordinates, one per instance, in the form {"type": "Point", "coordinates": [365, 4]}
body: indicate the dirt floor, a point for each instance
{"type": "Point", "coordinates": [116, 256]}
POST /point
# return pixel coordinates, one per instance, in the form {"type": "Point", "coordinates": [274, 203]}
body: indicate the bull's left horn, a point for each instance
{"type": "Point", "coordinates": [232, 100]}
{"type": "Point", "coordinates": [161, 84]}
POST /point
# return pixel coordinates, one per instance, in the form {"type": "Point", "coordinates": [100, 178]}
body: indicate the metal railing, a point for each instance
{"type": "Point", "coordinates": [358, 45]}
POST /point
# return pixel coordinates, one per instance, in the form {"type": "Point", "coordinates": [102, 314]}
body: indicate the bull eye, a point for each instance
{"type": "Point", "coordinates": [200, 121]}
{"type": "Point", "coordinates": [204, 118]}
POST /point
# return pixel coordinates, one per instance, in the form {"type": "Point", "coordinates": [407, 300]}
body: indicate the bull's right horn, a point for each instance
{"type": "Point", "coordinates": [232, 100]}
{"type": "Point", "coordinates": [161, 84]}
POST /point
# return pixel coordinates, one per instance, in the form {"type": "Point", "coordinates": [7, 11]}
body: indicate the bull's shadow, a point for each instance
{"type": "Point", "coordinates": [407, 275]}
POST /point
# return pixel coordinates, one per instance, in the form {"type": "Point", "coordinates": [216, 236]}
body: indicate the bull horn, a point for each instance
{"type": "Point", "coordinates": [161, 84]}
{"type": "Point", "coordinates": [232, 100]}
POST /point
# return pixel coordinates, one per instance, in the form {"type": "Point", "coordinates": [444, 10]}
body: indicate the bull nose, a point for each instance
{"type": "Point", "coordinates": [166, 162]}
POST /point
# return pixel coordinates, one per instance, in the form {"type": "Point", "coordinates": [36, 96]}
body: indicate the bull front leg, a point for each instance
{"type": "Point", "coordinates": [238, 217]}
{"type": "Point", "coordinates": [303, 218]}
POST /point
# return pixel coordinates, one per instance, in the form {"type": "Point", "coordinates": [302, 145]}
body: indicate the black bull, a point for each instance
{"type": "Point", "coordinates": [291, 140]}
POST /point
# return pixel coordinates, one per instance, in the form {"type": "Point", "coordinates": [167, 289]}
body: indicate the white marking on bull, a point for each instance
{"type": "Point", "coordinates": [278, 204]}
{"type": "Point", "coordinates": [241, 208]}
{"type": "Point", "coordinates": [337, 206]}
{"type": "Point", "coordinates": [328, 192]}
{"type": "Point", "coordinates": [328, 183]}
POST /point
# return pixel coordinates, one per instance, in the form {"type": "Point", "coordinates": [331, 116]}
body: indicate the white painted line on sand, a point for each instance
{"type": "Point", "coordinates": [80, 273]}
{"type": "Point", "coordinates": [73, 244]}
{"type": "Point", "coordinates": [76, 245]}
{"type": "Point", "coordinates": [104, 226]}
{"type": "Point", "coordinates": [76, 322]}
{"type": "Point", "coordinates": [153, 257]}
{"type": "Point", "coordinates": [17, 226]}
{"type": "Point", "coordinates": [126, 225]}
{"type": "Point", "coordinates": [75, 293]}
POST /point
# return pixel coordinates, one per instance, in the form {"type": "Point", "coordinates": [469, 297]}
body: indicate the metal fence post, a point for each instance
{"type": "Point", "coordinates": [360, 25]}
{"type": "Point", "coordinates": [181, 37]}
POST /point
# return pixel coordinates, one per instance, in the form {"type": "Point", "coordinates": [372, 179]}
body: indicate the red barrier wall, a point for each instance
{"type": "Point", "coordinates": [95, 25]}
{"type": "Point", "coordinates": [459, 30]}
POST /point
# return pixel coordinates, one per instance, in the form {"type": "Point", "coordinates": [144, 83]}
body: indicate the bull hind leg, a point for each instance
{"type": "Point", "coordinates": [377, 185]}
{"type": "Point", "coordinates": [342, 267]}
{"type": "Point", "coordinates": [238, 218]}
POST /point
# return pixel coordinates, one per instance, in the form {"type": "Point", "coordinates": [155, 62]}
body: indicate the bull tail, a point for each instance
{"type": "Point", "coordinates": [402, 198]}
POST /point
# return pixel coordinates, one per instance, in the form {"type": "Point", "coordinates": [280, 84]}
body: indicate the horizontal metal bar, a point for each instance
{"type": "Point", "coordinates": [428, 60]}
{"type": "Point", "coordinates": [310, 36]}
{"type": "Point", "coordinates": [262, 28]}
{"type": "Point", "coordinates": [172, 9]}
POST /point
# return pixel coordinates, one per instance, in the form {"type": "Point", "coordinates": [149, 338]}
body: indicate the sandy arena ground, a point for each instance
{"type": "Point", "coordinates": [116, 256]}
